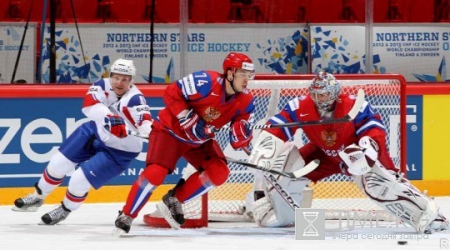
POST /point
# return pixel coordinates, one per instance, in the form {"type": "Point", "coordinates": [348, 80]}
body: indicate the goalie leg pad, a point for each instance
{"type": "Point", "coordinates": [396, 195]}
{"type": "Point", "coordinates": [283, 195]}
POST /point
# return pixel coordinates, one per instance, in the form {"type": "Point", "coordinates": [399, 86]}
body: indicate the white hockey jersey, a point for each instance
{"type": "Point", "coordinates": [101, 100]}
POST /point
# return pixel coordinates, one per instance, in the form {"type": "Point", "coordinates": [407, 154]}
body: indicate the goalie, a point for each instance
{"type": "Point", "coordinates": [356, 148]}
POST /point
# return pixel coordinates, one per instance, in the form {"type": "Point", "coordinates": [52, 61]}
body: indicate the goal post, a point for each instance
{"type": "Point", "coordinates": [386, 94]}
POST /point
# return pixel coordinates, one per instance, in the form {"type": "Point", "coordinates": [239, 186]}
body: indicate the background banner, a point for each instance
{"type": "Point", "coordinates": [282, 49]}
{"type": "Point", "coordinates": [417, 52]}
{"type": "Point", "coordinates": [30, 133]}
{"type": "Point", "coordinates": [10, 39]}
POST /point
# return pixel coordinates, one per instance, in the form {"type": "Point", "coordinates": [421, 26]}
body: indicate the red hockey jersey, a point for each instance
{"type": "Point", "coordinates": [332, 138]}
{"type": "Point", "coordinates": [204, 92]}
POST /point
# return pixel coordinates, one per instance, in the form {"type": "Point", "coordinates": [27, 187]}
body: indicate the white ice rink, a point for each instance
{"type": "Point", "coordinates": [90, 228]}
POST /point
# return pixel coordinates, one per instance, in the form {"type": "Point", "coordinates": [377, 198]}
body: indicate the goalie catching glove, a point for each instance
{"type": "Point", "coordinates": [115, 125]}
{"type": "Point", "coordinates": [360, 158]}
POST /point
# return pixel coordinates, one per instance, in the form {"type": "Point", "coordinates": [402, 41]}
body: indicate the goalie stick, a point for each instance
{"type": "Point", "coordinates": [294, 175]}
{"type": "Point", "coordinates": [347, 118]}
{"type": "Point", "coordinates": [280, 190]}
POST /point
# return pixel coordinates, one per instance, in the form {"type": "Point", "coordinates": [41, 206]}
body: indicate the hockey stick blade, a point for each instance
{"type": "Point", "coordinates": [360, 98]}
{"type": "Point", "coordinates": [293, 175]}
{"type": "Point", "coordinates": [347, 118]}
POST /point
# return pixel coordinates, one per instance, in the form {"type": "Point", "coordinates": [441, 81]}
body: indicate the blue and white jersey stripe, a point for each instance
{"type": "Point", "coordinates": [195, 85]}
{"type": "Point", "coordinates": [187, 86]}
{"type": "Point", "coordinates": [367, 119]}
{"type": "Point", "coordinates": [278, 119]}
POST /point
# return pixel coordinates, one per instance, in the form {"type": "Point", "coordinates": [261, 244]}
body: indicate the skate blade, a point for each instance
{"type": "Point", "coordinates": [117, 232]}
{"type": "Point", "coordinates": [41, 223]}
{"type": "Point", "coordinates": [168, 216]}
{"type": "Point", "coordinates": [28, 209]}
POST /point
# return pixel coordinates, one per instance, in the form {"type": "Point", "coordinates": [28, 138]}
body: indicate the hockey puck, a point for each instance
{"type": "Point", "coordinates": [402, 242]}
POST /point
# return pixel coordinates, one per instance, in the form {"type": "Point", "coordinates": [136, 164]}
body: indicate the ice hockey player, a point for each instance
{"type": "Point", "coordinates": [195, 106]}
{"type": "Point", "coordinates": [357, 148]}
{"type": "Point", "coordinates": [100, 147]}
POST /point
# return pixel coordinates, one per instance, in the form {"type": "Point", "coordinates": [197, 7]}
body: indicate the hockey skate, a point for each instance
{"type": "Point", "coordinates": [56, 215]}
{"type": "Point", "coordinates": [439, 224]}
{"type": "Point", "coordinates": [29, 203]}
{"type": "Point", "coordinates": [123, 224]}
{"type": "Point", "coordinates": [172, 210]}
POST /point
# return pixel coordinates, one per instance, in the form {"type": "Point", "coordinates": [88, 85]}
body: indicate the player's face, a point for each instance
{"type": "Point", "coordinates": [241, 78]}
{"type": "Point", "coordinates": [120, 83]}
{"type": "Point", "coordinates": [323, 98]}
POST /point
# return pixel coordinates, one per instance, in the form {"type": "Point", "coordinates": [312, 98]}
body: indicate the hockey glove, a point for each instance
{"type": "Point", "coordinates": [355, 159]}
{"type": "Point", "coordinates": [145, 128]}
{"type": "Point", "coordinates": [369, 147]}
{"type": "Point", "coordinates": [115, 125]}
{"type": "Point", "coordinates": [362, 157]}
{"type": "Point", "coordinates": [240, 134]}
{"type": "Point", "coordinates": [194, 127]}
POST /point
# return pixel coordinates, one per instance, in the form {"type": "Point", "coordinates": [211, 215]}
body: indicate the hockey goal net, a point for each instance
{"type": "Point", "coordinates": [385, 92]}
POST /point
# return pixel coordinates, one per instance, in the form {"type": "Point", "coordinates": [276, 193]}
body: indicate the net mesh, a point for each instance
{"type": "Point", "coordinates": [337, 192]}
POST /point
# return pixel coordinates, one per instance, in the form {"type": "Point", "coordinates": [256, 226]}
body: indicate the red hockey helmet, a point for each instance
{"type": "Point", "coordinates": [238, 61]}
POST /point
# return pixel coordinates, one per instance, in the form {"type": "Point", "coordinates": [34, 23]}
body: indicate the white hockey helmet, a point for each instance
{"type": "Point", "coordinates": [123, 67]}
{"type": "Point", "coordinates": [324, 83]}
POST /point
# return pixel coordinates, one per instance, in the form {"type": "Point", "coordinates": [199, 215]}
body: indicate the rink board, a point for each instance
{"type": "Point", "coordinates": [22, 159]}
{"type": "Point", "coordinates": [119, 193]}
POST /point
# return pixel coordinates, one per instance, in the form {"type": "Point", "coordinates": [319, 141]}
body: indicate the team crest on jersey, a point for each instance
{"type": "Point", "coordinates": [329, 137]}
{"type": "Point", "coordinates": [211, 114]}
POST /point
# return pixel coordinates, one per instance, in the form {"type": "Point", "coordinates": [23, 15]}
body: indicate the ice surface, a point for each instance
{"type": "Point", "coordinates": [91, 226]}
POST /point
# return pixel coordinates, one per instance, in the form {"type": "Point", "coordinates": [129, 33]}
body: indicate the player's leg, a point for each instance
{"type": "Point", "coordinates": [282, 195]}
{"type": "Point", "coordinates": [106, 164]}
{"type": "Point", "coordinates": [275, 206]}
{"type": "Point", "coordinates": [212, 170]}
{"type": "Point", "coordinates": [61, 163]}
{"type": "Point", "coordinates": [162, 155]}
{"type": "Point", "coordinates": [391, 191]}
{"type": "Point", "coordinates": [75, 196]}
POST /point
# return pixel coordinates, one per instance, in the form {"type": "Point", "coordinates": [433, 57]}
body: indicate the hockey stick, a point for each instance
{"type": "Point", "coordinates": [281, 191]}
{"type": "Point", "coordinates": [347, 118]}
{"type": "Point", "coordinates": [137, 134]}
{"type": "Point", "coordinates": [294, 175]}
